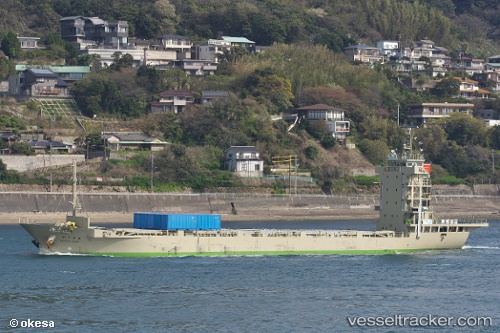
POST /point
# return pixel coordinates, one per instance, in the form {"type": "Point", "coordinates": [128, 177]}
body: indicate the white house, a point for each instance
{"type": "Point", "coordinates": [182, 45]}
{"type": "Point", "coordinates": [420, 113]}
{"type": "Point", "coordinates": [212, 49]}
{"type": "Point", "coordinates": [388, 47]}
{"type": "Point", "coordinates": [363, 53]}
{"type": "Point", "coordinates": [244, 160]}
{"type": "Point", "coordinates": [338, 126]}
{"type": "Point", "coordinates": [175, 101]}
{"type": "Point", "coordinates": [208, 96]}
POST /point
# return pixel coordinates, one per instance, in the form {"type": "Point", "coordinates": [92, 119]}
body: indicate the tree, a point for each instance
{"type": "Point", "coordinates": [318, 129]}
{"type": "Point", "coordinates": [10, 45]}
{"type": "Point", "coordinates": [21, 148]}
{"type": "Point", "coordinates": [121, 61]}
{"type": "Point", "coordinates": [265, 85]}
{"type": "Point", "coordinates": [93, 141]}
{"type": "Point", "coordinates": [464, 129]}
{"type": "Point", "coordinates": [7, 66]}
{"type": "Point", "coordinates": [376, 151]}
{"type": "Point", "coordinates": [311, 152]}
{"type": "Point", "coordinates": [92, 60]}
{"type": "Point", "coordinates": [149, 78]}
{"type": "Point", "coordinates": [8, 176]}
{"type": "Point", "coordinates": [446, 88]}
{"type": "Point", "coordinates": [495, 138]}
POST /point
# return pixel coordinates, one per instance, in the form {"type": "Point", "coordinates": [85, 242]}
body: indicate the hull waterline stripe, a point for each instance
{"type": "Point", "coordinates": [250, 253]}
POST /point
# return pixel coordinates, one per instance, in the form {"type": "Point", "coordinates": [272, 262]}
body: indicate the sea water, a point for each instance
{"type": "Point", "coordinates": [324, 293]}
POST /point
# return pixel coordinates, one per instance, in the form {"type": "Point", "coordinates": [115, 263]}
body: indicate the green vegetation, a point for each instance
{"type": "Point", "coordinates": [304, 67]}
{"type": "Point", "coordinates": [8, 176]}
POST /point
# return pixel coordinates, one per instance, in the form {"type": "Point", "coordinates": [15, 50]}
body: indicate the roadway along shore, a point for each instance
{"type": "Point", "coordinates": [445, 208]}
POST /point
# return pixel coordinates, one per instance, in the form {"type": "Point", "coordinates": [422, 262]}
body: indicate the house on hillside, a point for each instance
{"type": "Point", "coordinates": [491, 117]}
{"type": "Point", "coordinates": [30, 43]}
{"type": "Point", "coordinates": [388, 48]}
{"type": "Point", "coordinates": [212, 50]}
{"type": "Point", "coordinates": [191, 67]}
{"type": "Point", "coordinates": [492, 64]}
{"type": "Point", "coordinates": [180, 44]}
{"type": "Point", "coordinates": [468, 66]}
{"type": "Point", "coordinates": [195, 67]}
{"type": "Point", "coordinates": [240, 42]}
{"type": "Point", "coordinates": [208, 96]}
{"type": "Point", "coordinates": [490, 79]}
{"type": "Point", "coordinates": [470, 89]}
{"type": "Point", "coordinates": [9, 138]}
{"type": "Point", "coordinates": [95, 36]}
{"type": "Point", "coordinates": [175, 101]}
{"type": "Point", "coordinates": [420, 113]}
{"type": "Point", "coordinates": [81, 29]}
{"type": "Point", "coordinates": [116, 141]}
{"type": "Point", "coordinates": [363, 53]}
{"type": "Point", "coordinates": [334, 117]}
{"type": "Point", "coordinates": [245, 161]}
{"type": "Point", "coordinates": [37, 83]}
{"type": "Point", "coordinates": [68, 73]}
{"type": "Point", "coordinates": [50, 146]}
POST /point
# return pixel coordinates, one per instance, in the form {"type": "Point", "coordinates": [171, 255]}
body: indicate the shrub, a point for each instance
{"type": "Point", "coordinates": [311, 152]}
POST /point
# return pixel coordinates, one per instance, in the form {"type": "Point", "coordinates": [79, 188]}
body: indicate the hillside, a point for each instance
{"type": "Point", "coordinates": [304, 68]}
{"type": "Point", "coordinates": [454, 24]}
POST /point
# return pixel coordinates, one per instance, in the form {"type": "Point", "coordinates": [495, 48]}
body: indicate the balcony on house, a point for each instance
{"type": "Point", "coordinates": [342, 127]}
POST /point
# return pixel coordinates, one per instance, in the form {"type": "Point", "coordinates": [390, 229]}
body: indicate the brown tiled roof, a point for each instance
{"type": "Point", "coordinates": [319, 107]}
{"type": "Point", "coordinates": [176, 93]}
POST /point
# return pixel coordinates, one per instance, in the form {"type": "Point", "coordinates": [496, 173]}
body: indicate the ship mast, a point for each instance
{"type": "Point", "coordinates": [75, 203]}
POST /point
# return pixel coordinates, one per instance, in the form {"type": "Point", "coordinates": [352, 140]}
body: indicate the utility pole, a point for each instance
{"type": "Point", "coordinates": [398, 115]}
{"type": "Point", "coordinates": [493, 160]}
{"type": "Point", "coordinates": [296, 167]}
{"type": "Point", "coordinates": [152, 171]}
{"type": "Point", "coordinates": [104, 141]}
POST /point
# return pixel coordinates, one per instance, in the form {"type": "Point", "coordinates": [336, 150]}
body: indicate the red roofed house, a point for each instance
{"type": "Point", "coordinates": [175, 101]}
{"type": "Point", "coordinates": [470, 89]}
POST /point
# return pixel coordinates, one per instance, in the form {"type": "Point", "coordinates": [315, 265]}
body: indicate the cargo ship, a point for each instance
{"type": "Point", "coordinates": [406, 224]}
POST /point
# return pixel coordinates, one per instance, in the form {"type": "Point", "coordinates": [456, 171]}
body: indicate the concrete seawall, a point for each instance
{"type": "Point", "coordinates": [27, 163]}
{"type": "Point", "coordinates": [245, 206]}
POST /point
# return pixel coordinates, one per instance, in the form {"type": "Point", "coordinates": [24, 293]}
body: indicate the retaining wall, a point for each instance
{"type": "Point", "coordinates": [27, 163]}
{"type": "Point", "coordinates": [251, 206]}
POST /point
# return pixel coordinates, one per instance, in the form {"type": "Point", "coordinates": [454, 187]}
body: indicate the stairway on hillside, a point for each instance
{"type": "Point", "coordinates": [58, 108]}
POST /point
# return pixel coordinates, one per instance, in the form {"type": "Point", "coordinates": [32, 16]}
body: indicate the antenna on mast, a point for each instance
{"type": "Point", "coordinates": [75, 203]}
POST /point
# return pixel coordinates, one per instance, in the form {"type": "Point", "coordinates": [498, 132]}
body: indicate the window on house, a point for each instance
{"type": "Point", "coordinates": [257, 167]}
{"type": "Point", "coordinates": [244, 167]}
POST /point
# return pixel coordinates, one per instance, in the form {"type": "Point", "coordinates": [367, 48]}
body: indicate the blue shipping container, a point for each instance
{"type": "Point", "coordinates": [165, 221]}
{"type": "Point", "coordinates": [145, 220]}
{"type": "Point", "coordinates": [182, 222]}
{"type": "Point", "coordinates": [209, 222]}
{"type": "Point", "coordinates": [141, 220]}
{"type": "Point", "coordinates": [161, 221]}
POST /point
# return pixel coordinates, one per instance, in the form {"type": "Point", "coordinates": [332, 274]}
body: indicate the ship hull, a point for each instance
{"type": "Point", "coordinates": [128, 242]}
